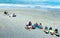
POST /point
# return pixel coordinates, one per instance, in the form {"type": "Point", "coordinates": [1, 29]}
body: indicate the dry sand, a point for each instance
{"type": "Point", "coordinates": [14, 26]}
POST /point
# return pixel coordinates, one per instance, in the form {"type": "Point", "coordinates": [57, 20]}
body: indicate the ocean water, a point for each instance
{"type": "Point", "coordinates": [38, 2]}
{"type": "Point", "coordinates": [31, 3]}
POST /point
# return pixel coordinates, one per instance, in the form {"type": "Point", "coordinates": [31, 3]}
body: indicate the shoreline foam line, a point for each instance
{"type": "Point", "coordinates": [29, 6]}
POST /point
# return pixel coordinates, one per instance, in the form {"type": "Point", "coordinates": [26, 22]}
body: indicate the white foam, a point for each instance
{"type": "Point", "coordinates": [29, 6]}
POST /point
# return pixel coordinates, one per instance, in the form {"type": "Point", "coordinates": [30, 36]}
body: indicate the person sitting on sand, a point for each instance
{"type": "Point", "coordinates": [14, 15]}
{"type": "Point", "coordinates": [46, 30]}
{"type": "Point", "coordinates": [57, 33]}
{"type": "Point", "coordinates": [29, 25]}
{"type": "Point", "coordinates": [36, 25]}
{"type": "Point", "coordinates": [40, 26]}
{"type": "Point", "coordinates": [5, 12]}
{"type": "Point", "coordinates": [51, 31]}
{"type": "Point", "coordinates": [56, 30]}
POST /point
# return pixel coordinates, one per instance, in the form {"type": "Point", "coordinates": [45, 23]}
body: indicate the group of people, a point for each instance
{"type": "Point", "coordinates": [51, 31]}
{"type": "Point", "coordinates": [10, 15]}
{"type": "Point", "coordinates": [36, 25]}
{"type": "Point", "coordinates": [39, 26]}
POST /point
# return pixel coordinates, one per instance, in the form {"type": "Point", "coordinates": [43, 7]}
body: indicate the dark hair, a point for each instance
{"type": "Point", "coordinates": [46, 27]}
{"type": "Point", "coordinates": [30, 23]}
{"type": "Point", "coordinates": [50, 28]}
{"type": "Point", "coordinates": [56, 30]}
{"type": "Point", "coordinates": [40, 23]}
{"type": "Point", "coordinates": [5, 12]}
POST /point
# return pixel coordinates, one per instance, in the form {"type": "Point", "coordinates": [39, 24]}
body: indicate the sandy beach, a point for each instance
{"type": "Point", "coordinates": [13, 27]}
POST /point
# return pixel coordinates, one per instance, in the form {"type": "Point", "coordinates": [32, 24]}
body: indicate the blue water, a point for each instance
{"type": "Point", "coordinates": [44, 2]}
{"type": "Point", "coordinates": [47, 3]}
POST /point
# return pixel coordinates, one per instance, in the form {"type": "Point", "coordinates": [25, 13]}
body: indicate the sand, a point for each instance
{"type": "Point", "coordinates": [13, 27]}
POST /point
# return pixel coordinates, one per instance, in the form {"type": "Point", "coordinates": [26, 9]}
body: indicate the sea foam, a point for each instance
{"type": "Point", "coordinates": [29, 6]}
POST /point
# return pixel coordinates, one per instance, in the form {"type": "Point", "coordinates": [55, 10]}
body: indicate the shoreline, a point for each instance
{"type": "Point", "coordinates": [29, 6]}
